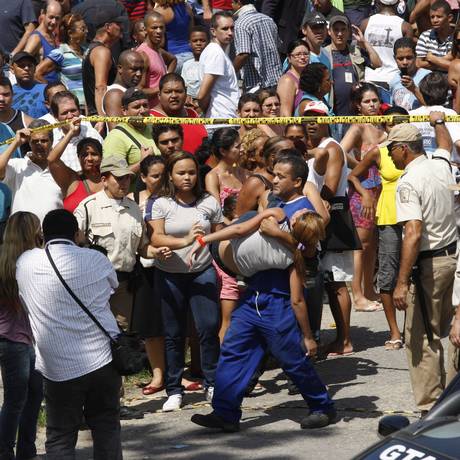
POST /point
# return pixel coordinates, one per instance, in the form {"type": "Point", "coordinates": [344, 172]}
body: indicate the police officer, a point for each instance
{"type": "Point", "coordinates": [114, 223]}
{"type": "Point", "coordinates": [425, 207]}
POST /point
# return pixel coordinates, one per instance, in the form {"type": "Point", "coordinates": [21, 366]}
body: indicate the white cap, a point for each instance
{"type": "Point", "coordinates": [389, 2]}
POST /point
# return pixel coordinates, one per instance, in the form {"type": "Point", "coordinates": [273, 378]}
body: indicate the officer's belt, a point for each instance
{"type": "Point", "coordinates": [445, 251]}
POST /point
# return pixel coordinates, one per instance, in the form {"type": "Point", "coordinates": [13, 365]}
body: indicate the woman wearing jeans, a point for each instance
{"type": "Point", "coordinates": [22, 385]}
{"type": "Point", "coordinates": [182, 214]}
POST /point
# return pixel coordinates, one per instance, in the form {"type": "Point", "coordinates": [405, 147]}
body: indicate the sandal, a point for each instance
{"type": "Point", "coordinates": [194, 386]}
{"type": "Point", "coordinates": [150, 390]}
{"type": "Point", "coordinates": [371, 307]}
{"type": "Point", "coordinates": [393, 344]}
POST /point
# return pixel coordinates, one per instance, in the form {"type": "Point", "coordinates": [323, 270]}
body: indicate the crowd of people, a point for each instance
{"type": "Point", "coordinates": [225, 239]}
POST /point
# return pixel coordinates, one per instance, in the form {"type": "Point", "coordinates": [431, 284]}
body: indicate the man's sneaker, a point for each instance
{"type": "Point", "coordinates": [209, 394]}
{"type": "Point", "coordinates": [214, 421]}
{"type": "Point", "coordinates": [174, 402]}
{"type": "Point", "coordinates": [318, 419]}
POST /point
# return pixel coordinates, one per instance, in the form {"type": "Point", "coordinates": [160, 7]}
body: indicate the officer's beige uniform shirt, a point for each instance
{"type": "Point", "coordinates": [116, 225]}
{"type": "Point", "coordinates": [422, 194]}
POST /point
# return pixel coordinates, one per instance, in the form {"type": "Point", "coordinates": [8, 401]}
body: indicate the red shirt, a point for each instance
{"type": "Point", "coordinates": [222, 4]}
{"type": "Point", "coordinates": [193, 134]}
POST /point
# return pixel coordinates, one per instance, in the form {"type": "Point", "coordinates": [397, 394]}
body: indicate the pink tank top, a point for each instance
{"type": "Point", "coordinates": [157, 68]}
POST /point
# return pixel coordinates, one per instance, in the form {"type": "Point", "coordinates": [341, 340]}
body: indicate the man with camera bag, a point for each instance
{"type": "Point", "coordinates": [73, 354]}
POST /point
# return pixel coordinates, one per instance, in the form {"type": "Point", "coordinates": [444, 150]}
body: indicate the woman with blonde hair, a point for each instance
{"type": "Point", "coordinates": [22, 385]}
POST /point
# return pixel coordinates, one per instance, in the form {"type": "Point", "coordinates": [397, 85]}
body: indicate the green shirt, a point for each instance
{"type": "Point", "coordinates": [119, 143]}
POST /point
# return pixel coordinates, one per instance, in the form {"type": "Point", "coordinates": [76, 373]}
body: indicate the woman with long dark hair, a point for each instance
{"type": "Point", "coordinates": [182, 214]}
{"type": "Point", "coordinates": [223, 181]}
{"type": "Point", "coordinates": [359, 140]}
{"type": "Point", "coordinates": [22, 385]}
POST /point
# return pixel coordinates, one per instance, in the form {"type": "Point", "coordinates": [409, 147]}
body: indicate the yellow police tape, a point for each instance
{"type": "Point", "coordinates": [359, 119]}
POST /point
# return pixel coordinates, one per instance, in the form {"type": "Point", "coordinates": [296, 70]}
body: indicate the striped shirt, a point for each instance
{"type": "Point", "coordinates": [136, 9]}
{"type": "Point", "coordinates": [256, 34]}
{"type": "Point", "coordinates": [68, 343]}
{"type": "Point", "coordinates": [70, 66]}
{"type": "Point", "coordinates": [428, 43]}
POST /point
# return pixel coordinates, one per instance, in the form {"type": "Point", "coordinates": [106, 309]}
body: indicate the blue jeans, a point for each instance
{"type": "Point", "coordinates": [178, 292]}
{"type": "Point", "coordinates": [23, 392]}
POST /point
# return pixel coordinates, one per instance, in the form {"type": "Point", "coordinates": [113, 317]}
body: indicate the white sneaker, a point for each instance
{"type": "Point", "coordinates": [209, 394]}
{"type": "Point", "coordinates": [174, 402]}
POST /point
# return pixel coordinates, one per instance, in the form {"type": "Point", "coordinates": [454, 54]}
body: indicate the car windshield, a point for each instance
{"type": "Point", "coordinates": [444, 439]}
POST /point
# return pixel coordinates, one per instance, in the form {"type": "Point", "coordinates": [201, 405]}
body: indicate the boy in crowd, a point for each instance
{"type": "Point", "coordinates": [199, 39]}
{"type": "Point", "coordinates": [404, 86]}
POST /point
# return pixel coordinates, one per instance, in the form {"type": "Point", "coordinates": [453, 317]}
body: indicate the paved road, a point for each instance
{"type": "Point", "coordinates": [363, 385]}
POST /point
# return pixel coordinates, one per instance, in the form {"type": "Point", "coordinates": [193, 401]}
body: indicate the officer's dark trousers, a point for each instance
{"type": "Point", "coordinates": [263, 321]}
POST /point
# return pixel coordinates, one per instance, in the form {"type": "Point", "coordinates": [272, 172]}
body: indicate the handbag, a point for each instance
{"type": "Point", "coordinates": [126, 357]}
{"type": "Point", "coordinates": [341, 234]}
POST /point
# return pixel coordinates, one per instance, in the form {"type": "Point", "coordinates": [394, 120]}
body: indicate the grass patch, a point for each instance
{"type": "Point", "coordinates": [42, 417]}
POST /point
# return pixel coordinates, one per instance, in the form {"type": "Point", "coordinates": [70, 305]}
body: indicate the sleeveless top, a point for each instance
{"type": "Point", "coordinates": [372, 179]}
{"type": "Point", "coordinates": [47, 47]}
{"type": "Point", "coordinates": [89, 77]}
{"type": "Point", "coordinates": [16, 122]}
{"type": "Point", "coordinates": [386, 205]}
{"type": "Point", "coordinates": [257, 252]}
{"type": "Point", "coordinates": [71, 201]}
{"type": "Point", "coordinates": [157, 68]}
{"type": "Point", "coordinates": [225, 191]}
{"type": "Point", "coordinates": [109, 88]}
{"type": "Point", "coordinates": [177, 31]}
{"type": "Point", "coordinates": [381, 32]}
{"type": "Point", "coordinates": [343, 183]}
{"type": "Point", "coordinates": [299, 93]}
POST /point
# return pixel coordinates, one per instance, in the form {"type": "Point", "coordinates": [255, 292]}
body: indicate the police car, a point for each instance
{"type": "Point", "coordinates": [435, 437]}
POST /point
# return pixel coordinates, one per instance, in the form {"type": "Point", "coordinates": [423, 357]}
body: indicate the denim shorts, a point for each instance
{"type": "Point", "coordinates": [390, 237]}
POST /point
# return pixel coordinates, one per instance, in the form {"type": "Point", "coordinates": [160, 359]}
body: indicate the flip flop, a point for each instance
{"type": "Point", "coordinates": [371, 307]}
{"type": "Point", "coordinates": [338, 354]}
{"type": "Point", "coordinates": [194, 386]}
{"type": "Point", "coordinates": [393, 344]}
{"type": "Point", "coordinates": [150, 390]}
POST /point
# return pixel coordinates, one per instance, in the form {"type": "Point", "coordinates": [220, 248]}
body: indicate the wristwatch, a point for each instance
{"type": "Point", "coordinates": [437, 122]}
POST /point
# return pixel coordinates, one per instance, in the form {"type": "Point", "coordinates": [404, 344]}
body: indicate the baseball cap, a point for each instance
{"type": "Point", "coordinates": [23, 55]}
{"type": "Point", "coordinates": [316, 107]}
{"type": "Point", "coordinates": [339, 18]}
{"type": "Point", "coordinates": [115, 165]}
{"type": "Point", "coordinates": [315, 19]}
{"type": "Point", "coordinates": [389, 2]}
{"type": "Point", "coordinates": [404, 132]}
{"type": "Point", "coordinates": [131, 95]}
{"type": "Point", "coordinates": [103, 16]}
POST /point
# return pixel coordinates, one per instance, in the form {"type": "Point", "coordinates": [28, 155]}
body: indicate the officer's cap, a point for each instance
{"type": "Point", "coordinates": [115, 165]}
{"type": "Point", "coordinates": [403, 132]}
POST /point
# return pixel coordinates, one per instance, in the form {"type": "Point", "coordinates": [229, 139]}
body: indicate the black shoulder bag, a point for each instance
{"type": "Point", "coordinates": [126, 357]}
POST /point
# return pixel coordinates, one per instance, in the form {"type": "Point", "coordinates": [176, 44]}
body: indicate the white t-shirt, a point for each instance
{"type": "Point", "coordinates": [178, 220]}
{"type": "Point", "coordinates": [33, 188]}
{"type": "Point", "coordinates": [191, 75]}
{"type": "Point", "coordinates": [69, 157]}
{"type": "Point", "coordinates": [428, 134]}
{"type": "Point", "coordinates": [225, 92]}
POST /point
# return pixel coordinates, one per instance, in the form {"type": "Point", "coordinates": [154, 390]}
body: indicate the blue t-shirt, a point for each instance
{"type": "Point", "coordinates": [290, 207]}
{"type": "Point", "coordinates": [30, 101]}
{"type": "Point", "coordinates": [5, 193]}
{"type": "Point", "coordinates": [401, 96]}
